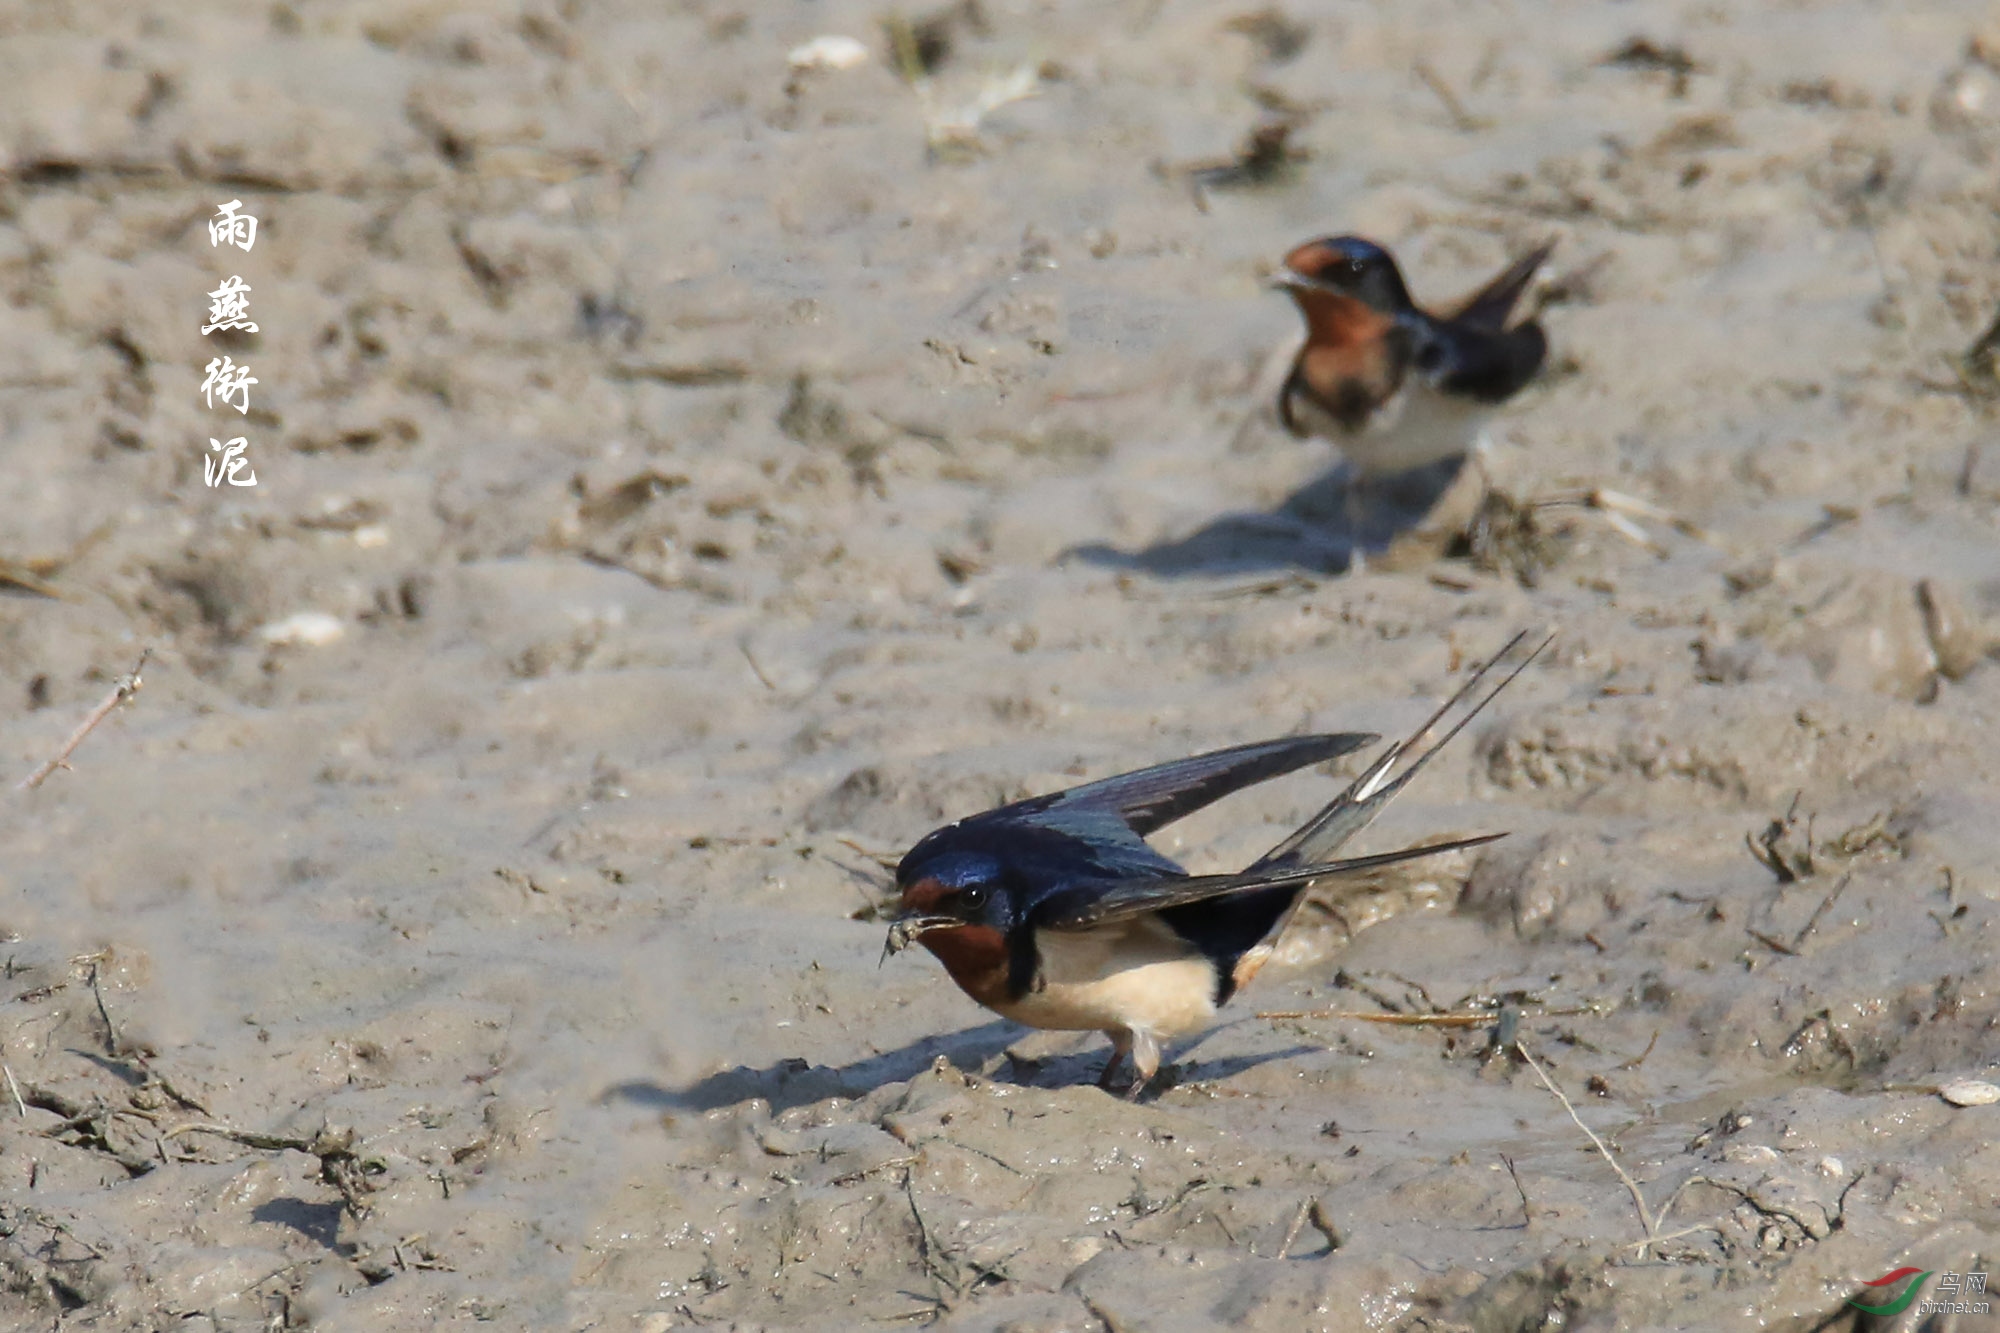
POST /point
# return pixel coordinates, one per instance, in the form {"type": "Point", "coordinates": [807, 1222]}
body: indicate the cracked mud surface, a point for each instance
{"type": "Point", "coordinates": [719, 474]}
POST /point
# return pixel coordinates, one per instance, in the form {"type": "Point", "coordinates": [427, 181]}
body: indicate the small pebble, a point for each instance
{"type": "Point", "coordinates": [316, 628]}
{"type": "Point", "coordinates": [1969, 1092]}
{"type": "Point", "coordinates": [829, 52]}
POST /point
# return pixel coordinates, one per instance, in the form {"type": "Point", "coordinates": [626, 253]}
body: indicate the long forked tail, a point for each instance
{"type": "Point", "coordinates": [1356, 807]}
{"type": "Point", "coordinates": [1490, 307]}
{"type": "Point", "coordinates": [1140, 897]}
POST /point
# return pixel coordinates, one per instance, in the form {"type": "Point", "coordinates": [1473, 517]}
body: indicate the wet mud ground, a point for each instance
{"type": "Point", "coordinates": [702, 476]}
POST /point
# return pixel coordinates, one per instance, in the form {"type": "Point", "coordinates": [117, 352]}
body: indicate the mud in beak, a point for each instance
{"type": "Point", "coordinates": [904, 931]}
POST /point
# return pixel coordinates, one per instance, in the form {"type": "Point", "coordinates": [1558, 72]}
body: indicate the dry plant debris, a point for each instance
{"type": "Point", "coordinates": [126, 687]}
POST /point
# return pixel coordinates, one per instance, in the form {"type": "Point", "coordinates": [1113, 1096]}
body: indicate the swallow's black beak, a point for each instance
{"type": "Point", "coordinates": [1290, 279]}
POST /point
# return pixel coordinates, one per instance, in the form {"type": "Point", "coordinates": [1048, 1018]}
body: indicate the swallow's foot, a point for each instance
{"type": "Point", "coordinates": [1130, 1087]}
{"type": "Point", "coordinates": [1142, 1051]}
{"type": "Point", "coordinates": [1121, 1048]}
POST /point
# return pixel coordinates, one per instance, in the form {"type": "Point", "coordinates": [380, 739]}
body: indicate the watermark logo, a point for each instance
{"type": "Point", "coordinates": [228, 227]}
{"type": "Point", "coordinates": [215, 471]}
{"type": "Point", "coordinates": [1952, 1288]}
{"type": "Point", "coordinates": [229, 311]}
{"type": "Point", "coordinates": [229, 307]}
{"type": "Point", "coordinates": [1883, 1285]}
{"type": "Point", "coordinates": [227, 380]}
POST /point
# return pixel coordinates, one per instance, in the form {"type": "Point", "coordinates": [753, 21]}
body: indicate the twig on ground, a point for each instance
{"type": "Point", "coordinates": [1760, 1206]}
{"type": "Point", "coordinates": [1462, 120]}
{"type": "Point", "coordinates": [1461, 1020]}
{"type": "Point", "coordinates": [127, 686]}
{"type": "Point", "coordinates": [743, 646]}
{"type": "Point", "coordinates": [41, 1219]}
{"type": "Point", "coordinates": [90, 1122]}
{"type": "Point", "coordinates": [936, 1262]}
{"type": "Point", "coordinates": [1774, 945]}
{"type": "Point", "coordinates": [1298, 1225]}
{"type": "Point", "coordinates": [1632, 1186]}
{"type": "Point", "coordinates": [1619, 512]}
{"type": "Point", "coordinates": [14, 1088]}
{"type": "Point", "coordinates": [886, 860]}
{"type": "Point", "coordinates": [1618, 502]}
{"type": "Point", "coordinates": [1527, 1209]}
{"type": "Point", "coordinates": [1781, 849]}
{"type": "Point", "coordinates": [1640, 1058]}
{"type": "Point", "coordinates": [97, 990]}
{"type": "Point", "coordinates": [1797, 944]}
{"type": "Point", "coordinates": [294, 1266]}
{"type": "Point", "coordinates": [248, 1138]}
{"type": "Point", "coordinates": [339, 1164]}
{"type": "Point", "coordinates": [16, 575]}
{"type": "Point", "coordinates": [1812, 922]}
{"type": "Point", "coordinates": [1671, 1235]}
{"type": "Point", "coordinates": [1472, 1020]}
{"type": "Point", "coordinates": [167, 1086]}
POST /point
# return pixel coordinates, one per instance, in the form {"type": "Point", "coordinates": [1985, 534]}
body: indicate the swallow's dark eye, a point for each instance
{"type": "Point", "coordinates": [972, 897]}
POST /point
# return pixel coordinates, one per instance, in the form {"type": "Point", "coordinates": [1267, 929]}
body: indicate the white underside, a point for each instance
{"type": "Point", "coordinates": [1417, 426]}
{"type": "Point", "coordinates": [1132, 976]}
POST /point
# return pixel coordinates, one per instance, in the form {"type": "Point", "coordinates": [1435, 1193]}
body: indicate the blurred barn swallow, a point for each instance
{"type": "Point", "coordinates": [1393, 385]}
{"type": "Point", "coordinates": [1054, 911]}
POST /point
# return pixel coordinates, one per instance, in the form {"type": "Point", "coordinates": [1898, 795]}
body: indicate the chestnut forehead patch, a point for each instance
{"type": "Point", "coordinates": [925, 895]}
{"type": "Point", "coordinates": [1309, 258]}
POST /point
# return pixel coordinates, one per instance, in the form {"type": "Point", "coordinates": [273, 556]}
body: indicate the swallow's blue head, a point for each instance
{"type": "Point", "coordinates": [1348, 266]}
{"type": "Point", "coordinates": [966, 884]}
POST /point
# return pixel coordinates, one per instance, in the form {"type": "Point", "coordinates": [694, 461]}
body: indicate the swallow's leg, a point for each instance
{"type": "Point", "coordinates": [1142, 1050]}
{"type": "Point", "coordinates": [1354, 501]}
{"type": "Point", "coordinates": [1477, 457]}
{"type": "Point", "coordinates": [1121, 1047]}
{"type": "Point", "coordinates": [1145, 1062]}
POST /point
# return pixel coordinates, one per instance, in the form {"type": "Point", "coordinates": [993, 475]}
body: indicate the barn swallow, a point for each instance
{"type": "Point", "coordinates": [1056, 913]}
{"type": "Point", "coordinates": [1393, 385]}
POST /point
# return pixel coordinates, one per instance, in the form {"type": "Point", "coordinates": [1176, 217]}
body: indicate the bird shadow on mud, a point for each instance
{"type": "Point", "coordinates": [982, 1050]}
{"type": "Point", "coordinates": [317, 1222]}
{"type": "Point", "coordinates": [1316, 529]}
